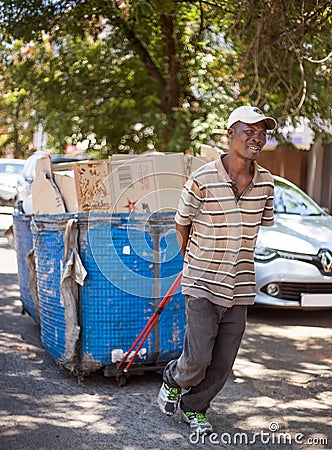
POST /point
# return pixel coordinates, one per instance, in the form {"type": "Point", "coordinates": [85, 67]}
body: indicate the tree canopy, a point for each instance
{"type": "Point", "coordinates": [127, 75]}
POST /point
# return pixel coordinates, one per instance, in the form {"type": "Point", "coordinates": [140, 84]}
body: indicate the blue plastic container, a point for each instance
{"type": "Point", "coordinates": [131, 261]}
{"type": "Point", "coordinates": [23, 245]}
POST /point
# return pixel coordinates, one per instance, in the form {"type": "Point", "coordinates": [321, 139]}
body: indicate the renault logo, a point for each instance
{"type": "Point", "coordinates": [325, 257]}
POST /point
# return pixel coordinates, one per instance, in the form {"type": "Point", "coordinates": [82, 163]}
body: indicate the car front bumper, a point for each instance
{"type": "Point", "coordinates": [293, 279]}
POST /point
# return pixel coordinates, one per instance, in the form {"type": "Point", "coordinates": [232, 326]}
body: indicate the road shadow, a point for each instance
{"type": "Point", "coordinates": [278, 316]}
{"type": "Point", "coordinates": [282, 378]}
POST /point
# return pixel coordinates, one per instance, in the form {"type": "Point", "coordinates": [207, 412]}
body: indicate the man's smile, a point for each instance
{"type": "Point", "coordinates": [254, 147]}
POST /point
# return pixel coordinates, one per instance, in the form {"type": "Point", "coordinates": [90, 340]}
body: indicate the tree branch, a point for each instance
{"type": "Point", "coordinates": [141, 49]}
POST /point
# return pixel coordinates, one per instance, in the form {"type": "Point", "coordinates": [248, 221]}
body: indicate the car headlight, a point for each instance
{"type": "Point", "coordinates": [265, 254]}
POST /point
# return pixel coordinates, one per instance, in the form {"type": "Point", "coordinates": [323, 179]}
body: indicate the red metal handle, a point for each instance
{"type": "Point", "coordinates": [148, 327]}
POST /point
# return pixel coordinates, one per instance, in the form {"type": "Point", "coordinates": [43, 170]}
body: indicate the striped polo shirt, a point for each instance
{"type": "Point", "coordinates": [219, 259]}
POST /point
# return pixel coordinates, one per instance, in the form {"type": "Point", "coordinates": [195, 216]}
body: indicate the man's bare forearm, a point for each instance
{"type": "Point", "coordinates": [182, 233]}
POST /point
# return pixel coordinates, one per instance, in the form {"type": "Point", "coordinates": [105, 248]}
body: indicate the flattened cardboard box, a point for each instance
{"type": "Point", "coordinates": [210, 153]}
{"type": "Point", "coordinates": [192, 163]}
{"type": "Point", "coordinates": [147, 183]}
{"type": "Point", "coordinates": [93, 186]}
{"type": "Point", "coordinates": [66, 184]}
{"type": "Point", "coordinates": [46, 197]}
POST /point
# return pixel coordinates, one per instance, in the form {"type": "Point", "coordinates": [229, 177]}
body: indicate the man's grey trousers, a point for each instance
{"type": "Point", "coordinates": [212, 339]}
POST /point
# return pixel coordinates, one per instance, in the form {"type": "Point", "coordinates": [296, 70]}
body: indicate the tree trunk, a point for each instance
{"type": "Point", "coordinates": [171, 95]}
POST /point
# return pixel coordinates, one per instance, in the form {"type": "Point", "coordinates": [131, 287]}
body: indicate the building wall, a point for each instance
{"type": "Point", "coordinates": [288, 163]}
{"type": "Point", "coordinates": [326, 192]}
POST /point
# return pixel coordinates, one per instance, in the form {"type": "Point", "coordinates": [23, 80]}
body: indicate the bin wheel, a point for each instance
{"type": "Point", "coordinates": [121, 380]}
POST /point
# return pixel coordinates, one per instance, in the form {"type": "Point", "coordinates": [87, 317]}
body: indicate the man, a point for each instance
{"type": "Point", "coordinates": [218, 218]}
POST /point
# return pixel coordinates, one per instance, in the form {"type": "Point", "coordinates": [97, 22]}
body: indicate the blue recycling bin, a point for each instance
{"type": "Point", "coordinates": [131, 260]}
{"type": "Point", "coordinates": [24, 245]}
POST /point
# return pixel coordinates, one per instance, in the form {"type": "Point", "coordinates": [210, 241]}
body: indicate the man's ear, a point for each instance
{"type": "Point", "coordinates": [230, 132]}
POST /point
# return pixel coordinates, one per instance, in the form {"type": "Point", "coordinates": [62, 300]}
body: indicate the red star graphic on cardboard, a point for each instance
{"type": "Point", "coordinates": [131, 206]}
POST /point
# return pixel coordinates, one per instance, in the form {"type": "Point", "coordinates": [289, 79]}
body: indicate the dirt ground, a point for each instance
{"type": "Point", "coordinates": [279, 395]}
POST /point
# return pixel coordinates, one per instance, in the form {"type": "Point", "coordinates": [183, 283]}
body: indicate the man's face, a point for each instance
{"type": "Point", "coordinates": [247, 140]}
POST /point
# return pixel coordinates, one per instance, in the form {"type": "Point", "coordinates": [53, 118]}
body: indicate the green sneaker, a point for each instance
{"type": "Point", "coordinates": [168, 399]}
{"type": "Point", "coordinates": [198, 422]}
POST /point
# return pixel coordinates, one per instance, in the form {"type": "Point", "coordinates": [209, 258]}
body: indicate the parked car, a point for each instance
{"type": "Point", "coordinates": [10, 171]}
{"type": "Point", "coordinates": [293, 259]}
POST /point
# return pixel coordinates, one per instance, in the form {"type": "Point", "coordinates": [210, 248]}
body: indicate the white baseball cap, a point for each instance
{"type": "Point", "coordinates": [250, 114]}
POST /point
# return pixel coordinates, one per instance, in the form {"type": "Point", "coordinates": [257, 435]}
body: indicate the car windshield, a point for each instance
{"type": "Point", "coordinates": [289, 199]}
{"type": "Point", "coordinates": [11, 168]}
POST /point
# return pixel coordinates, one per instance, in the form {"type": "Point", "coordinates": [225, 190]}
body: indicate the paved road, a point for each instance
{"type": "Point", "coordinates": [280, 391]}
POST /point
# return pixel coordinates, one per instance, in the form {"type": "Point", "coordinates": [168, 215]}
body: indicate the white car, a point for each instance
{"type": "Point", "coordinates": [293, 259]}
{"type": "Point", "coordinates": [10, 171]}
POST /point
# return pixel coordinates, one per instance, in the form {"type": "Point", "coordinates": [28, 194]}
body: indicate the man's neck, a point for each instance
{"type": "Point", "coordinates": [237, 167]}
